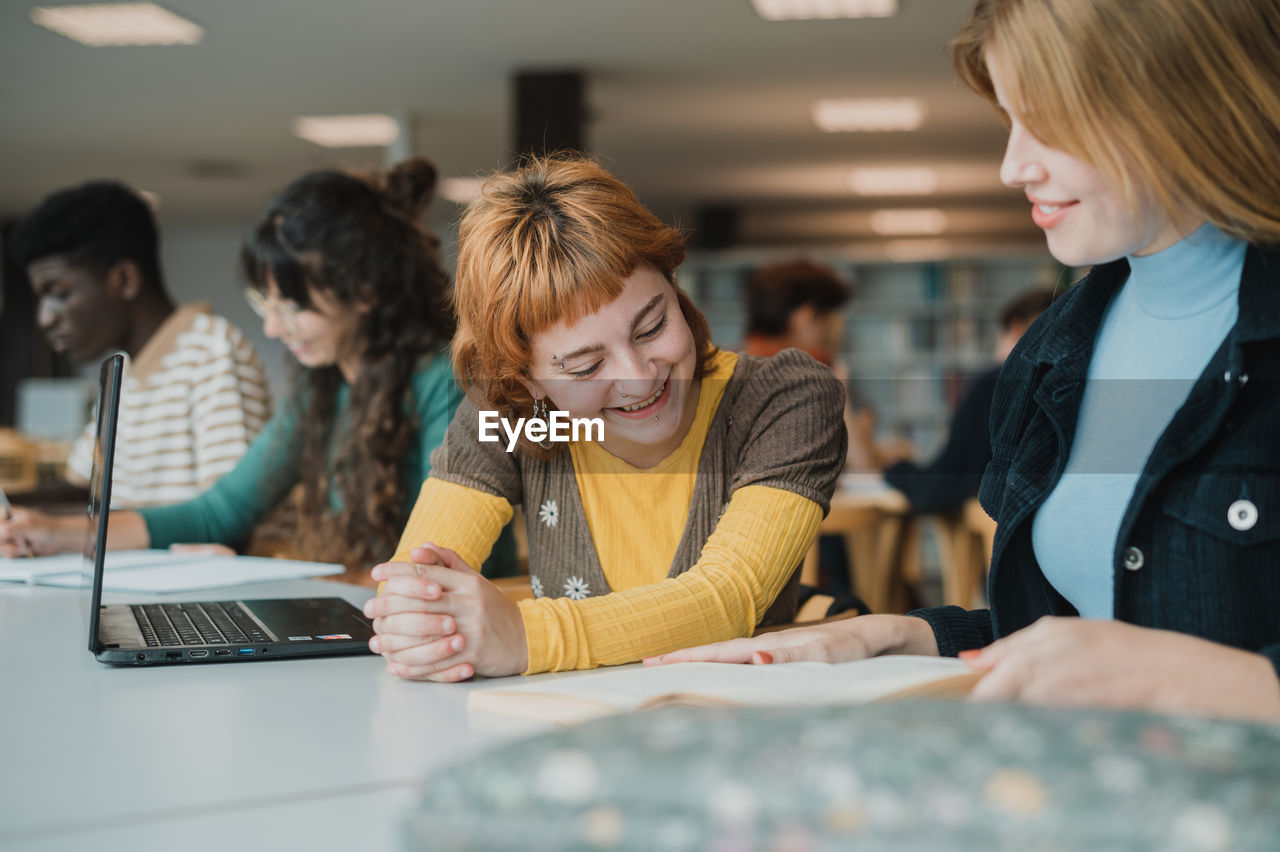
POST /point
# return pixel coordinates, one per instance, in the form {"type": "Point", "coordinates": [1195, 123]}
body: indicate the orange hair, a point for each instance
{"type": "Point", "coordinates": [549, 242]}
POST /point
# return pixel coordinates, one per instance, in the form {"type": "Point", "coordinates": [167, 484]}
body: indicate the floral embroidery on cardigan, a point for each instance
{"type": "Point", "coordinates": [576, 588]}
{"type": "Point", "coordinates": [549, 513]}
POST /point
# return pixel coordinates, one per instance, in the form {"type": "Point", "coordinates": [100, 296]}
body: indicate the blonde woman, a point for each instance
{"type": "Point", "coordinates": [683, 519]}
{"type": "Point", "coordinates": [1136, 469]}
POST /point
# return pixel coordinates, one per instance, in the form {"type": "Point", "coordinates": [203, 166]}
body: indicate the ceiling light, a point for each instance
{"type": "Point", "coordinates": [847, 115]}
{"type": "Point", "coordinates": [912, 221]}
{"type": "Point", "coordinates": [461, 190]}
{"type": "Point", "coordinates": [904, 180]}
{"type": "Point", "coordinates": [347, 131]}
{"type": "Point", "coordinates": [805, 10]}
{"type": "Point", "coordinates": [117, 24]}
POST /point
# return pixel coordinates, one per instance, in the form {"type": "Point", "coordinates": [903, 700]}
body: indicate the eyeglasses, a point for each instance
{"type": "Point", "coordinates": [263, 306]}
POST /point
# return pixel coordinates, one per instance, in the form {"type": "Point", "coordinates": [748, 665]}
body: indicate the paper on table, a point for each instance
{"type": "Point", "coordinates": [30, 569]}
{"type": "Point", "coordinates": [188, 572]}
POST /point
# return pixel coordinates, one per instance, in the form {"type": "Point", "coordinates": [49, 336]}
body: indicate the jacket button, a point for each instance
{"type": "Point", "coordinates": [1133, 559]}
{"type": "Point", "coordinates": [1242, 515]}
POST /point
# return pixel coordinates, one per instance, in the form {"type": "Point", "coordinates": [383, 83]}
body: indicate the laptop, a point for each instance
{"type": "Point", "coordinates": [204, 631]}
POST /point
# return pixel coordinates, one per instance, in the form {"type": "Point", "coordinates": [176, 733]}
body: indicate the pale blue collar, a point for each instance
{"type": "Point", "coordinates": [1190, 277]}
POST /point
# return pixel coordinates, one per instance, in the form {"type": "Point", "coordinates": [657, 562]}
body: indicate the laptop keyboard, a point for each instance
{"type": "Point", "coordinates": [211, 623]}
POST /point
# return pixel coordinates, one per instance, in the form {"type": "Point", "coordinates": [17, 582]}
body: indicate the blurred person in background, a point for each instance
{"type": "Point", "coordinates": [341, 271]}
{"type": "Point", "coordinates": [953, 476]}
{"type": "Point", "coordinates": [194, 393]}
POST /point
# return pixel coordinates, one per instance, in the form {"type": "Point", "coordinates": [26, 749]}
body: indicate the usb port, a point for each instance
{"type": "Point", "coordinates": [222, 652]}
{"type": "Point", "coordinates": [173, 656]}
{"type": "Point", "coordinates": [198, 655]}
{"type": "Point", "coordinates": [244, 652]}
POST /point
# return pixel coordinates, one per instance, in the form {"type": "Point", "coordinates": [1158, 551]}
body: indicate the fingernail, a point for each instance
{"type": "Point", "coordinates": [765, 656]}
{"type": "Point", "coordinates": [367, 609]}
{"type": "Point", "coordinates": [373, 645]}
{"type": "Point", "coordinates": [456, 643]}
{"type": "Point", "coordinates": [447, 625]}
{"type": "Point", "coordinates": [433, 589]}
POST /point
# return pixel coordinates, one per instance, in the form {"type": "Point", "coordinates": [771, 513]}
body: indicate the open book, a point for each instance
{"type": "Point", "coordinates": [567, 700]}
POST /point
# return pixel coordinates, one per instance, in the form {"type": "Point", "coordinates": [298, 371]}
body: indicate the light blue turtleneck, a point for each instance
{"type": "Point", "coordinates": [1157, 337]}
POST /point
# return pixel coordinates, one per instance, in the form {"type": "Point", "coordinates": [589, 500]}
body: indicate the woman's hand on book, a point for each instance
{"type": "Point", "coordinates": [437, 619]}
{"type": "Point", "coordinates": [1087, 662]}
{"type": "Point", "coordinates": [834, 642]}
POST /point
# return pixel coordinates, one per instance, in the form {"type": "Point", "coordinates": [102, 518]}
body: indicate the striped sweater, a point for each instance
{"type": "Point", "coordinates": [191, 402]}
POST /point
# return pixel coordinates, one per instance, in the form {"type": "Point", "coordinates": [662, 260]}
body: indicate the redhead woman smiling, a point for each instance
{"type": "Point", "coordinates": [686, 523]}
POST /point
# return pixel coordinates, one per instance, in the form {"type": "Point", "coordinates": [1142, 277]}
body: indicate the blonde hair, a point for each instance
{"type": "Point", "coordinates": [549, 242]}
{"type": "Point", "coordinates": [1176, 101]}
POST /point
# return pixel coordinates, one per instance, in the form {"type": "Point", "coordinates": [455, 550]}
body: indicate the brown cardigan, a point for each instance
{"type": "Point", "coordinates": [780, 423]}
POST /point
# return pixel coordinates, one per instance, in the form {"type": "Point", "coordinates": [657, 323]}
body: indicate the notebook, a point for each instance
{"type": "Point", "coordinates": [161, 571]}
{"type": "Point", "coordinates": [581, 696]}
{"type": "Point", "coordinates": [199, 631]}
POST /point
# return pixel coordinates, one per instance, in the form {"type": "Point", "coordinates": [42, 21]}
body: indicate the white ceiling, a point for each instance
{"type": "Point", "coordinates": [693, 102]}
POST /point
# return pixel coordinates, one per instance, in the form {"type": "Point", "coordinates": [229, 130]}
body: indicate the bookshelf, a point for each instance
{"type": "Point", "coordinates": [915, 332]}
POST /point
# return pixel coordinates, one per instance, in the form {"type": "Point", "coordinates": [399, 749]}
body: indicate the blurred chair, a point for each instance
{"type": "Point", "coordinates": [19, 462]}
{"type": "Point", "coordinates": [966, 538]}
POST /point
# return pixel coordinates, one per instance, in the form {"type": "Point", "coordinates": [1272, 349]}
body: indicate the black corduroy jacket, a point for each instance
{"type": "Point", "coordinates": [1198, 549]}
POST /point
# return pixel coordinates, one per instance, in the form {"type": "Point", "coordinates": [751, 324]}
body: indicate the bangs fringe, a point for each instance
{"type": "Point", "coordinates": [264, 259]}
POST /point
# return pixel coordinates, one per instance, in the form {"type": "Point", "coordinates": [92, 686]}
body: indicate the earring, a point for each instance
{"type": "Point", "coordinates": [540, 412]}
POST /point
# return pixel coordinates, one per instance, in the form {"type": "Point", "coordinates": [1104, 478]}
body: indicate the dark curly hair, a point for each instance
{"type": "Point", "coordinates": [357, 239]}
{"type": "Point", "coordinates": [93, 225]}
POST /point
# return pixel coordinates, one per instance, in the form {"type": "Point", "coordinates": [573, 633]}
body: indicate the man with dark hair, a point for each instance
{"type": "Point", "coordinates": [194, 394]}
{"type": "Point", "coordinates": [954, 475]}
{"type": "Point", "coordinates": [796, 304]}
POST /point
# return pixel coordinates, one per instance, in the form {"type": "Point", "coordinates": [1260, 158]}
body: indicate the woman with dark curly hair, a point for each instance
{"type": "Point", "coordinates": [343, 274]}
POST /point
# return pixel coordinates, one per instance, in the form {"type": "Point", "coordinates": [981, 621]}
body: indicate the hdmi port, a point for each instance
{"type": "Point", "coordinates": [196, 655]}
{"type": "Point", "coordinates": [222, 652]}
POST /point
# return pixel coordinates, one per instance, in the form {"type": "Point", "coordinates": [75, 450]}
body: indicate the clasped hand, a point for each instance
{"type": "Point", "coordinates": [438, 619]}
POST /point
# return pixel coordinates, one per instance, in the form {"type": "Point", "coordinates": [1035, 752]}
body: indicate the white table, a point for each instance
{"type": "Point", "coordinates": [318, 754]}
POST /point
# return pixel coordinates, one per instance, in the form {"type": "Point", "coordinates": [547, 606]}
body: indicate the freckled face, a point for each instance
{"type": "Point", "coordinates": [628, 363]}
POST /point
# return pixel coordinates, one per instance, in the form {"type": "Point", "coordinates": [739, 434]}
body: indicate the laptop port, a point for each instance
{"type": "Point", "coordinates": [142, 658]}
{"type": "Point", "coordinates": [244, 652]}
{"type": "Point", "coordinates": [222, 652]}
{"type": "Point", "coordinates": [198, 655]}
{"type": "Point", "coordinates": [173, 656]}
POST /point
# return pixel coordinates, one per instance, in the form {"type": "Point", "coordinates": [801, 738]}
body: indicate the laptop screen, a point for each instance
{"type": "Point", "coordinates": [95, 541]}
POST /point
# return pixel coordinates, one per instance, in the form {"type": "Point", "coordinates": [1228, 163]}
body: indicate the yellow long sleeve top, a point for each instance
{"type": "Point", "coordinates": [636, 520]}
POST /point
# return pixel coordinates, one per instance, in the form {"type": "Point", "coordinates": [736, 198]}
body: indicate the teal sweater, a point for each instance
{"type": "Point", "coordinates": [229, 511]}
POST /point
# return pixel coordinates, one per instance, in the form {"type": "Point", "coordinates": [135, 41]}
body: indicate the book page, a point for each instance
{"type": "Point", "coordinates": [627, 688]}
